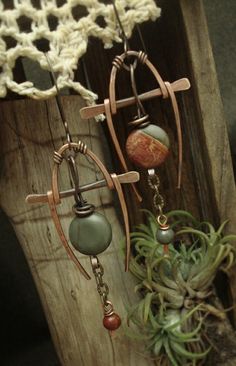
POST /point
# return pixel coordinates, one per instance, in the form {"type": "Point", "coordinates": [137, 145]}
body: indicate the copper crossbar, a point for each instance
{"type": "Point", "coordinates": [92, 111]}
{"type": "Point", "coordinates": [129, 177]}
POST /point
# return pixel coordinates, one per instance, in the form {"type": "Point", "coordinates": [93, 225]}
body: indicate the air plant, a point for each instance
{"type": "Point", "coordinates": [176, 287]}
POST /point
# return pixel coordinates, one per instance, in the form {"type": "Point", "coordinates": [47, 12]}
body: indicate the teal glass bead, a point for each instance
{"type": "Point", "coordinates": [165, 236]}
{"type": "Point", "coordinates": [91, 234]}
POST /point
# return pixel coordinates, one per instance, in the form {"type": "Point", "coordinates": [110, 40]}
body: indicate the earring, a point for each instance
{"type": "Point", "coordinates": [148, 145]}
{"type": "Point", "coordinates": [90, 232]}
{"type": "Point", "coordinates": [145, 137]}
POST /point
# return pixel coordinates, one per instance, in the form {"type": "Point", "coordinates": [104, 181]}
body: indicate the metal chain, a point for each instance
{"type": "Point", "coordinates": [102, 286]}
{"type": "Point", "coordinates": [154, 184]}
{"type": "Point", "coordinates": [158, 200]}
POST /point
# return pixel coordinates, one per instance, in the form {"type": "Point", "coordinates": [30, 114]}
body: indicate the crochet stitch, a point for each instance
{"type": "Point", "coordinates": [68, 38]}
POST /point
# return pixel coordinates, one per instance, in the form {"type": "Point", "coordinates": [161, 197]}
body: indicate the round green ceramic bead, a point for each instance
{"type": "Point", "coordinates": [90, 235]}
{"type": "Point", "coordinates": [165, 236]}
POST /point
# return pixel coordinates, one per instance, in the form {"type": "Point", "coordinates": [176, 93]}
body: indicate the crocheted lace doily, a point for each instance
{"type": "Point", "coordinates": [66, 26]}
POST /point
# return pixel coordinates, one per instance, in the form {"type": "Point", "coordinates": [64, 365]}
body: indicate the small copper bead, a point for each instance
{"type": "Point", "coordinates": [112, 322]}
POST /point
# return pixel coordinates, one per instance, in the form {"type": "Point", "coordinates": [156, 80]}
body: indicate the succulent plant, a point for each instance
{"type": "Point", "coordinates": [176, 288]}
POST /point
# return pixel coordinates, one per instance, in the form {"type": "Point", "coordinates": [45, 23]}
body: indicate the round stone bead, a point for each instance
{"type": "Point", "coordinates": [148, 147]}
{"type": "Point", "coordinates": [91, 234]}
{"type": "Point", "coordinates": [165, 236]}
{"type": "Point", "coordinates": [112, 322]}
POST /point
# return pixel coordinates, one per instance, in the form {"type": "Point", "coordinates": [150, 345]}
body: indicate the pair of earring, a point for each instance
{"type": "Point", "coordinates": [147, 146]}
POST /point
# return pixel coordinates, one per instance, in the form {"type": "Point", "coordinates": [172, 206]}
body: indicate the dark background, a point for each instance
{"type": "Point", "coordinates": [25, 340]}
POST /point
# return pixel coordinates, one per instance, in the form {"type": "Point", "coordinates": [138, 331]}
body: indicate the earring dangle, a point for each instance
{"type": "Point", "coordinates": [147, 145]}
{"type": "Point", "coordinates": [90, 232]}
{"type": "Point", "coordinates": [147, 137]}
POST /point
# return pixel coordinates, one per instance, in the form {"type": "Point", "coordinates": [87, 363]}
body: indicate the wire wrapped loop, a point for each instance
{"type": "Point", "coordinates": [138, 122]}
{"type": "Point", "coordinates": [142, 57]}
{"type": "Point", "coordinates": [81, 147]}
{"type": "Point", "coordinates": [118, 62]}
{"type": "Point", "coordinates": [162, 219]}
{"type": "Point", "coordinates": [58, 158]}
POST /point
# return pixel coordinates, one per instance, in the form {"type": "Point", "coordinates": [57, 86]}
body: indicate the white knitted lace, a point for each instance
{"type": "Point", "coordinates": [67, 42]}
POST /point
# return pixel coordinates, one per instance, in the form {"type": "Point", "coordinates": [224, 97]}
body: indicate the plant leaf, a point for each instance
{"type": "Point", "coordinates": [169, 352]}
{"type": "Point", "coordinates": [147, 305]}
{"type": "Point", "coordinates": [180, 350]}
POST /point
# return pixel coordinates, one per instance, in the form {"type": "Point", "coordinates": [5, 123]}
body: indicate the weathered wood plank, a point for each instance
{"type": "Point", "coordinates": [218, 163]}
{"type": "Point", "coordinates": [213, 124]}
{"type": "Point", "coordinates": [71, 303]}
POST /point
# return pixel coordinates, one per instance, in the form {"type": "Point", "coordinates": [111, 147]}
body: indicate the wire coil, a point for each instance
{"type": "Point", "coordinates": [82, 147]}
{"type": "Point", "coordinates": [58, 158]}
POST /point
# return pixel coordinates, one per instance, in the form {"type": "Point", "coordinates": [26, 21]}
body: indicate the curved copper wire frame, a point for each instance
{"type": "Point", "coordinates": [54, 199]}
{"type": "Point", "coordinates": [166, 92]}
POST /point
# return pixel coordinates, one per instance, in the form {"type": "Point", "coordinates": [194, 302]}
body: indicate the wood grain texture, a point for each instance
{"type": "Point", "coordinates": [218, 169]}
{"type": "Point", "coordinates": [71, 303]}
{"type": "Point", "coordinates": [212, 122]}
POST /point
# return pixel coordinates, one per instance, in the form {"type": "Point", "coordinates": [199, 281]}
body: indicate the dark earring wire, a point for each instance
{"type": "Point", "coordinates": [58, 100]}
{"type": "Point", "coordinates": [70, 159]}
{"type": "Point", "coordinates": [144, 47]}
{"type": "Point", "coordinates": [123, 34]}
{"type": "Point", "coordinates": [122, 31]}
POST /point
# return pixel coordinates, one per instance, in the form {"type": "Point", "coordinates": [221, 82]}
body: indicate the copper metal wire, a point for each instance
{"type": "Point", "coordinates": [58, 158]}
{"type": "Point", "coordinates": [117, 62]}
{"type": "Point", "coordinates": [142, 121]}
{"type": "Point", "coordinates": [142, 57]}
{"type": "Point", "coordinates": [82, 147]}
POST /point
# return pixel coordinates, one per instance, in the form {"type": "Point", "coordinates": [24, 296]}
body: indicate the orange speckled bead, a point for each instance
{"type": "Point", "coordinates": [112, 322]}
{"type": "Point", "coordinates": [148, 147]}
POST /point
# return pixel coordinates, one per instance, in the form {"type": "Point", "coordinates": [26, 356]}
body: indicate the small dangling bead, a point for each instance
{"type": "Point", "coordinates": [165, 235]}
{"type": "Point", "coordinates": [111, 320]}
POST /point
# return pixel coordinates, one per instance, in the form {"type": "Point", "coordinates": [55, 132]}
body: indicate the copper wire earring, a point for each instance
{"type": "Point", "coordinates": [148, 145]}
{"type": "Point", "coordinates": [145, 137]}
{"type": "Point", "coordinates": [90, 232]}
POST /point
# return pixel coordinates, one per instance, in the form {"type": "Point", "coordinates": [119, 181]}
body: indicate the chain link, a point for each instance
{"type": "Point", "coordinates": [154, 184]}
{"type": "Point", "coordinates": [102, 286]}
